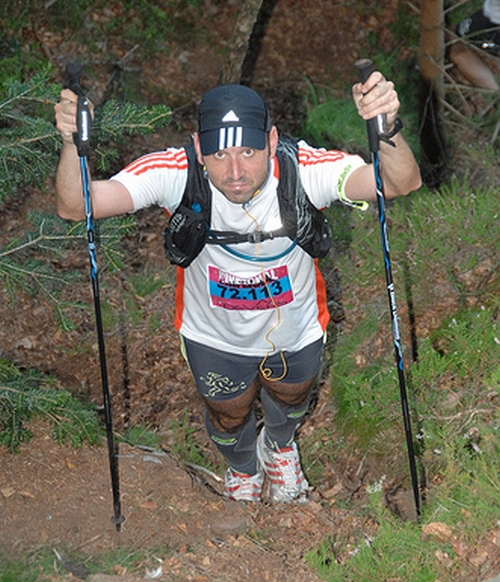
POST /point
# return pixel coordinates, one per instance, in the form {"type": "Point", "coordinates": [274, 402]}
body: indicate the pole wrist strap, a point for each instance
{"type": "Point", "coordinates": [386, 137]}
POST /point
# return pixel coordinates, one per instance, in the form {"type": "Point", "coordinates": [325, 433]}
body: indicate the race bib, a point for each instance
{"type": "Point", "coordinates": [269, 289]}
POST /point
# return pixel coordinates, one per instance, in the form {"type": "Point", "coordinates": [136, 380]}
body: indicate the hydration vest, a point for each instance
{"type": "Point", "coordinates": [189, 230]}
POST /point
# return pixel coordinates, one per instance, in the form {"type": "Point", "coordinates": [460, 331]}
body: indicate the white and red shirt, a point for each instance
{"type": "Point", "coordinates": [265, 297]}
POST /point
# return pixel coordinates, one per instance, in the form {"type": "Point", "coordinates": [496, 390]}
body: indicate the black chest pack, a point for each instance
{"type": "Point", "coordinates": [189, 229]}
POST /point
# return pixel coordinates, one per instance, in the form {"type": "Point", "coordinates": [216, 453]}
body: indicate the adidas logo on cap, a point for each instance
{"type": "Point", "coordinates": [230, 117]}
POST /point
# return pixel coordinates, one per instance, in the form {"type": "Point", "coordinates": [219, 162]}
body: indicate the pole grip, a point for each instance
{"type": "Point", "coordinates": [83, 115]}
{"type": "Point", "coordinates": [365, 69]}
{"type": "Point", "coordinates": [74, 74]}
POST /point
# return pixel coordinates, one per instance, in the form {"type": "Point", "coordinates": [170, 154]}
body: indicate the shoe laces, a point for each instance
{"type": "Point", "coordinates": [240, 486]}
{"type": "Point", "coordinates": [285, 467]}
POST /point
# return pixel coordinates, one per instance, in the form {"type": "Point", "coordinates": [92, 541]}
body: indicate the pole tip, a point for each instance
{"type": "Point", "coordinates": [118, 520]}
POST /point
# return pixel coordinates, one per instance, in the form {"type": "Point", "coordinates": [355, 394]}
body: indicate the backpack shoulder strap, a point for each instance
{"type": "Point", "coordinates": [302, 219]}
{"type": "Point", "coordinates": [187, 230]}
{"type": "Point", "coordinates": [197, 193]}
{"type": "Point", "coordinates": [287, 154]}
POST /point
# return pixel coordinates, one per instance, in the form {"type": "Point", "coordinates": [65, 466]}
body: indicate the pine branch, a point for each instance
{"type": "Point", "coordinates": [33, 264]}
{"type": "Point", "coordinates": [28, 394]}
{"type": "Point", "coordinates": [29, 147]}
{"type": "Point", "coordinates": [116, 120]}
{"type": "Point", "coordinates": [29, 141]}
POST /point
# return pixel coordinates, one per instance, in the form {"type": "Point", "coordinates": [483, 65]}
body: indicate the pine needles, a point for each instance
{"type": "Point", "coordinates": [29, 147]}
{"type": "Point", "coordinates": [36, 259]}
{"type": "Point", "coordinates": [29, 139]}
{"type": "Point", "coordinates": [29, 394]}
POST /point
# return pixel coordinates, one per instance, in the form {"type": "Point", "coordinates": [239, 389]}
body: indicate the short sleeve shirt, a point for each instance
{"type": "Point", "coordinates": [254, 298]}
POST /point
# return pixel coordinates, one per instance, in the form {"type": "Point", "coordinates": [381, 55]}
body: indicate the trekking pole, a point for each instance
{"type": "Point", "coordinates": [82, 141]}
{"type": "Point", "coordinates": [365, 68]}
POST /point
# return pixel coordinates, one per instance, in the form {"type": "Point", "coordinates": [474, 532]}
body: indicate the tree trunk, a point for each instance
{"type": "Point", "coordinates": [432, 141]}
{"type": "Point", "coordinates": [432, 44]}
{"type": "Point", "coordinates": [256, 40]}
{"type": "Point", "coordinates": [237, 48]}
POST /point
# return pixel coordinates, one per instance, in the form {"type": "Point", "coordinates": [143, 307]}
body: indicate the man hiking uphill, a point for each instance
{"type": "Point", "coordinates": [250, 300]}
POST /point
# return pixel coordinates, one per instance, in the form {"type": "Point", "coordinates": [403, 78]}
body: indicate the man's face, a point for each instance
{"type": "Point", "coordinates": [238, 172]}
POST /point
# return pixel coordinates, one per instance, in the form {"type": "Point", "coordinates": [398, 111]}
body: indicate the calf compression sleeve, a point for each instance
{"type": "Point", "coordinates": [281, 421]}
{"type": "Point", "coordinates": [238, 447]}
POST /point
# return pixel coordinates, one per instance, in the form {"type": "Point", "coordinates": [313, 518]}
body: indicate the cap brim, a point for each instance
{"type": "Point", "coordinates": [220, 139]}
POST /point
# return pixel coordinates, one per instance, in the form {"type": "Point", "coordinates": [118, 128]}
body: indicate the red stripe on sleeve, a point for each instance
{"type": "Point", "coordinates": [168, 159]}
{"type": "Point", "coordinates": [312, 157]}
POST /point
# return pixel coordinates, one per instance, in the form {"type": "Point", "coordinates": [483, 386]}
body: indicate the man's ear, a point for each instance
{"type": "Point", "coordinates": [273, 141]}
{"type": "Point", "coordinates": [197, 148]}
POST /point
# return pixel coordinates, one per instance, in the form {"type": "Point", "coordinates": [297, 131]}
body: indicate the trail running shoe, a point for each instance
{"type": "Point", "coordinates": [243, 487]}
{"type": "Point", "coordinates": [282, 466]}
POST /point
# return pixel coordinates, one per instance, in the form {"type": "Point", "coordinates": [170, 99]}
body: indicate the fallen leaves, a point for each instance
{"type": "Point", "coordinates": [10, 491]}
{"type": "Point", "coordinates": [7, 492]}
{"type": "Point", "coordinates": [441, 531]}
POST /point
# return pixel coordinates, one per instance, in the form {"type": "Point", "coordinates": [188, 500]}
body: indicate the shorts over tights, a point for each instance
{"type": "Point", "coordinates": [222, 375]}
